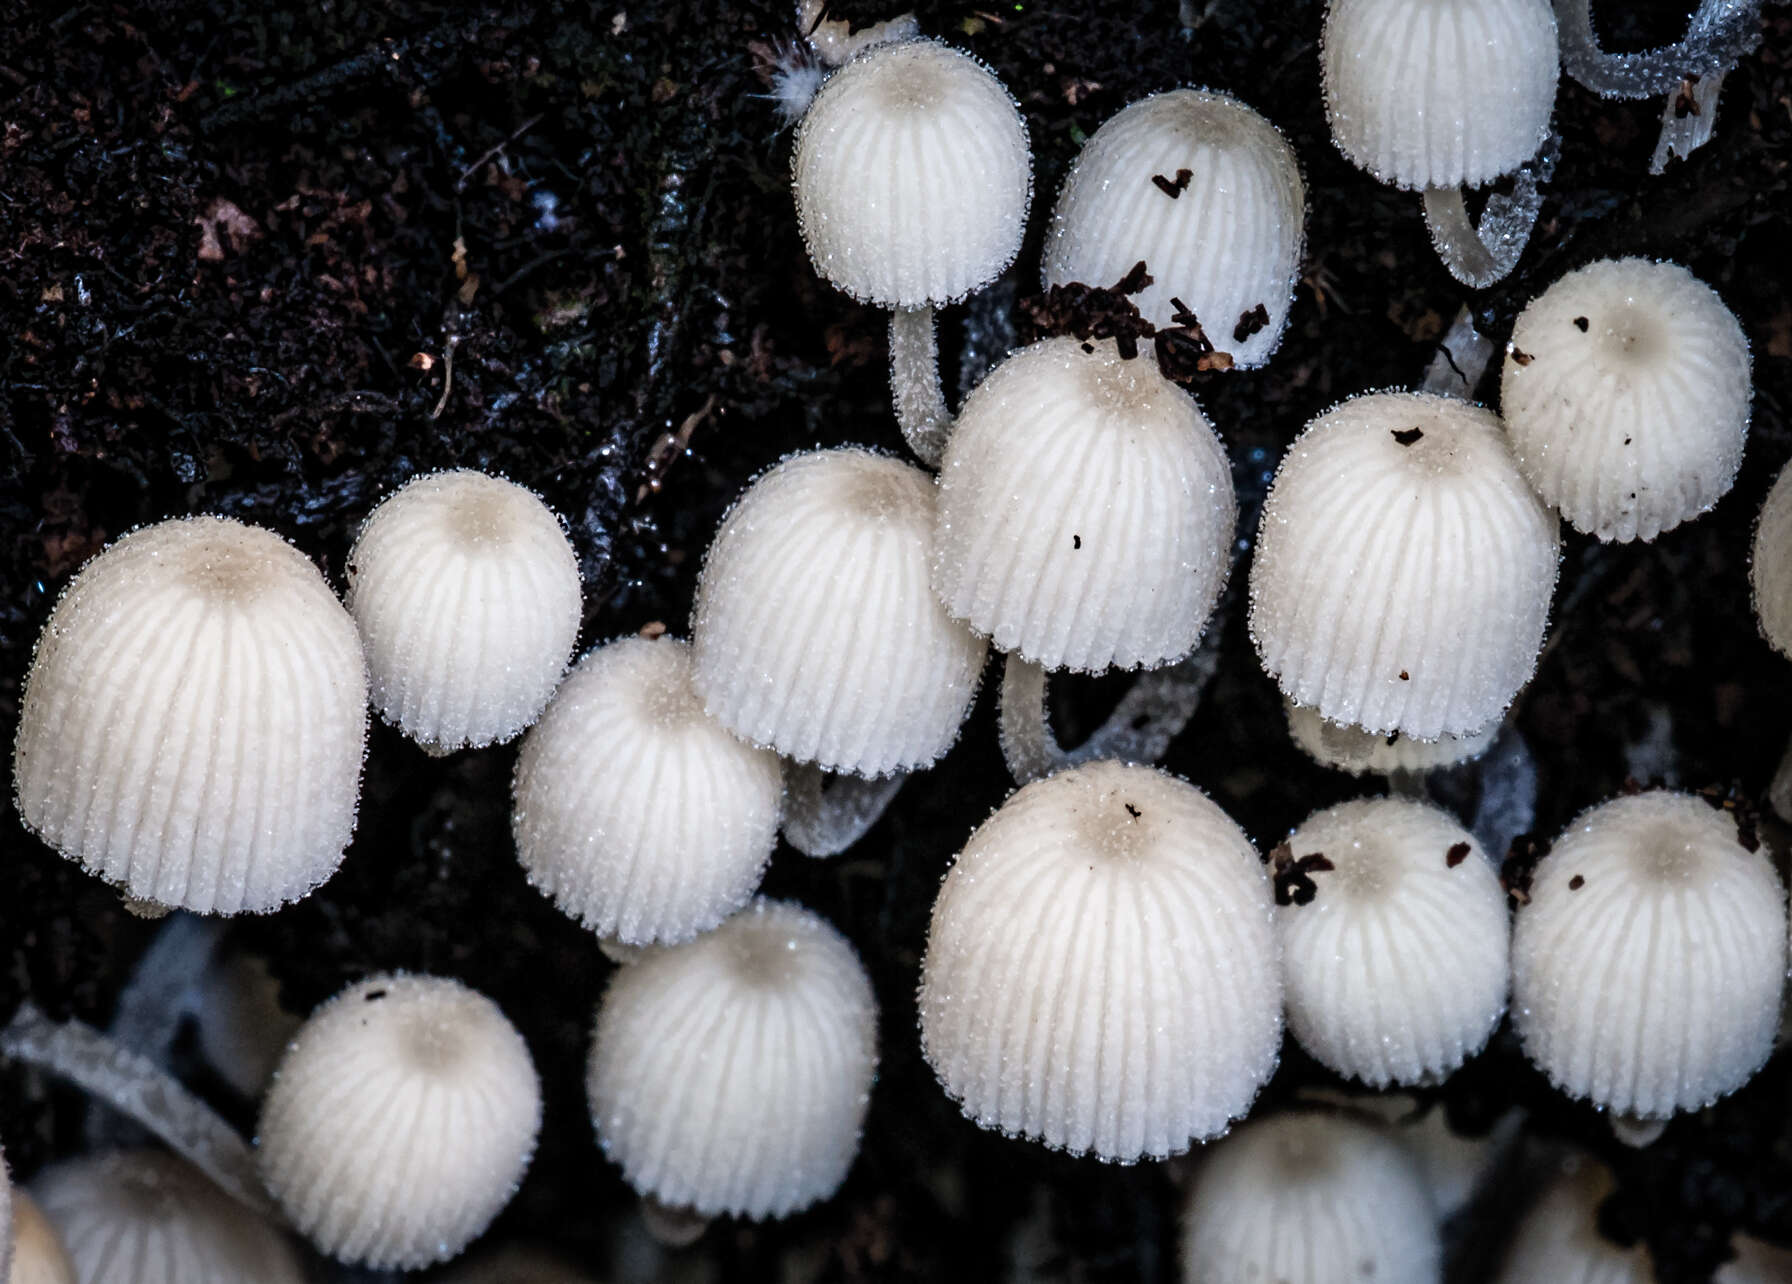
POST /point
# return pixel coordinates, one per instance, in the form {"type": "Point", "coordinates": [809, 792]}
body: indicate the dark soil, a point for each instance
{"type": "Point", "coordinates": [240, 241]}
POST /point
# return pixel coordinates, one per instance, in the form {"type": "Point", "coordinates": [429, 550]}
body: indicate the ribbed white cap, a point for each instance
{"type": "Point", "coordinates": [816, 630]}
{"type": "Point", "coordinates": [468, 599]}
{"type": "Point", "coordinates": [1439, 93]}
{"type": "Point", "coordinates": [1309, 1197]}
{"type": "Point", "coordinates": [1101, 968]}
{"type": "Point", "coordinates": [1403, 568]}
{"type": "Point", "coordinates": [730, 1075]}
{"type": "Point", "coordinates": [1347, 748]}
{"type": "Point", "coordinates": [194, 720]}
{"type": "Point", "coordinates": [145, 1217]}
{"type": "Point", "coordinates": [636, 811]}
{"type": "Point", "coordinates": [400, 1121]}
{"type": "Point", "coordinates": [912, 176]}
{"type": "Point", "coordinates": [1226, 242]}
{"type": "Point", "coordinates": [1648, 966]}
{"type": "Point", "coordinates": [1086, 514]}
{"type": "Point", "coordinates": [1770, 572]}
{"type": "Point", "coordinates": [1559, 1239]}
{"type": "Point", "coordinates": [1395, 971]}
{"type": "Point", "coordinates": [1626, 394]}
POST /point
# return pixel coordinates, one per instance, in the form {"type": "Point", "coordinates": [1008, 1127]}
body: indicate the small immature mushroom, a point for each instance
{"type": "Point", "coordinates": [1347, 748]}
{"type": "Point", "coordinates": [1319, 1198]}
{"type": "Point", "coordinates": [400, 1121]}
{"type": "Point", "coordinates": [1101, 971]}
{"type": "Point", "coordinates": [816, 631]}
{"type": "Point", "coordinates": [730, 1075]}
{"type": "Point", "coordinates": [1626, 395]}
{"type": "Point", "coordinates": [1395, 970]}
{"type": "Point", "coordinates": [635, 810]}
{"type": "Point", "coordinates": [194, 719]}
{"type": "Point", "coordinates": [468, 599]}
{"type": "Point", "coordinates": [912, 177]}
{"type": "Point", "coordinates": [145, 1217]}
{"type": "Point", "coordinates": [1648, 965]}
{"type": "Point", "coordinates": [1209, 196]}
{"type": "Point", "coordinates": [1403, 568]}
{"type": "Point", "coordinates": [1559, 1239]}
{"type": "Point", "coordinates": [1436, 97]}
{"type": "Point", "coordinates": [38, 1256]}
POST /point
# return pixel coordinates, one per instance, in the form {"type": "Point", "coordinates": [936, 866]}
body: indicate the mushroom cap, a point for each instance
{"type": "Point", "coordinates": [1439, 93]}
{"type": "Point", "coordinates": [1311, 1197]}
{"type": "Point", "coordinates": [1403, 568]}
{"type": "Point", "coordinates": [467, 595]}
{"type": "Point", "coordinates": [1559, 1238]}
{"type": "Point", "coordinates": [730, 1075]}
{"type": "Point", "coordinates": [194, 720]}
{"type": "Point", "coordinates": [1626, 396]}
{"type": "Point", "coordinates": [1395, 971]}
{"type": "Point", "coordinates": [145, 1217]}
{"type": "Point", "coordinates": [1770, 573]}
{"type": "Point", "coordinates": [400, 1121]}
{"type": "Point", "coordinates": [1086, 515]}
{"type": "Point", "coordinates": [1647, 967]}
{"type": "Point", "coordinates": [1756, 1262]}
{"type": "Point", "coordinates": [912, 176]}
{"type": "Point", "coordinates": [1226, 243]}
{"type": "Point", "coordinates": [1101, 970]}
{"type": "Point", "coordinates": [635, 810]}
{"type": "Point", "coordinates": [38, 1256]}
{"type": "Point", "coordinates": [1346, 748]}
{"type": "Point", "coordinates": [816, 631]}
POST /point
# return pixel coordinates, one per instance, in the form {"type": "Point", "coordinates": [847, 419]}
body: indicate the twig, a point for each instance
{"type": "Point", "coordinates": [447, 376]}
{"type": "Point", "coordinates": [460, 184]}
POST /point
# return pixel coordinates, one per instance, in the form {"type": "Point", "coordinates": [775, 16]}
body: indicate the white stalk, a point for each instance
{"type": "Point", "coordinates": [824, 813]}
{"type": "Point", "coordinates": [1461, 360]}
{"type": "Point", "coordinates": [915, 383]}
{"type": "Point", "coordinates": [1720, 33]}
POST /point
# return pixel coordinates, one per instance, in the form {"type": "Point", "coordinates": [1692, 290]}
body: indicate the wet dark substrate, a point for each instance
{"type": "Point", "coordinates": [230, 282]}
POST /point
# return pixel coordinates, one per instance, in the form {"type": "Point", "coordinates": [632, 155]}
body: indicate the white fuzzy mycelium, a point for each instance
{"type": "Point", "coordinates": [634, 809]}
{"type": "Point", "coordinates": [1395, 970]}
{"type": "Point", "coordinates": [145, 1217]}
{"type": "Point", "coordinates": [1770, 572]}
{"type": "Point", "coordinates": [1559, 1239]}
{"type": "Point", "coordinates": [1347, 748]}
{"type": "Point", "coordinates": [730, 1075]}
{"type": "Point", "coordinates": [1209, 196]}
{"type": "Point", "coordinates": [468, 599]}
{"type": "Point", "coordinates": [1318, 1198]}
{"type": "Point", "coordinates": [1101, 967]}
{"type": "Point", "coordinates": [1439, 93]}
{"type": "Point", "coordinates": [912, 176]}
{"type": "Point", "coordinates": [194, 719]}
{"type": "Point", "coordinates": [38, 1256]}
{"type": "Point", "coordinates": [816, 630]}
{"type": "Point", "coordinates": [1647, 967]}
{"type": "Point", "coordinates": [400, 1121]}
{"type": "Point", "coordinates": [1626, 394]}
{"type": "Point", "coordinates": [1086, 514]}
{"type": "Point", "coordinates": [1403, 568]}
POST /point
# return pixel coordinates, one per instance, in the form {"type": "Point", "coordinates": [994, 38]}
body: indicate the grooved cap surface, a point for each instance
{"type": "Point", "coordinates": [730, 1075]}
{"type": "Point", "coordinates": [912, 176]}
{"type": "Point", "coordinates": [816, 630]}
{"type": "Point", "coordinates": [400, 1121]}
{"type": "Point", "coordinates": [467, 595]}
{"type": "Point", "coordinates": [636, 811]}
{"type": "Point", "coordinates": [1227, 242]}
{"type": "Point", "coordinates": [1626, 395]}
{"type": "Point", "coordinates": [194, 719]}
{"type": "Point", "coordinates": [1086, 513]}
{"type": "Point", "coordinates": [1403, 568]}
{"type": "Point", "coordinates": [1648, 966]}
{"type": "Point", "coordinates": [1101, 967]}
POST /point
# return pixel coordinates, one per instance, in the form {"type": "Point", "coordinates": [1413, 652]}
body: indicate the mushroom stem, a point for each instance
{"type": "Point", "coordinates": [1139, 730]}
{"type": "Point", "coordinates": [1478, 256]}
{"type": "Point", "coordinates": [836, 43]}
{"type": "Point", "coordinates": [1687, 125]}
{"type": "Point", "coordinates": [1631, 1131]}
{"type": "Point", "coordinates": [915, 383]}
{"type": "Point", "coordinates": [672, 1226]}
{"type": "Point", "coordinates": [1403, 783]}
{"type": "Point", "coordinates": [825, 813]}
{"type": "Point", "coordinates": [1720, 33]}
{"type": "Point", "coordinates": [1461, 360]}
{"type": "Point", "coordinates": [1779, 793]}
{"type": "Point", "coordinates": [143, 1091]}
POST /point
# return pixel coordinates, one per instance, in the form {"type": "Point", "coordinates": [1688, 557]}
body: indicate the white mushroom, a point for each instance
{"type": "Point", "coordinates": [1559, 1239]}
{"type": "Point", "coordinates": [1349, 748]}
